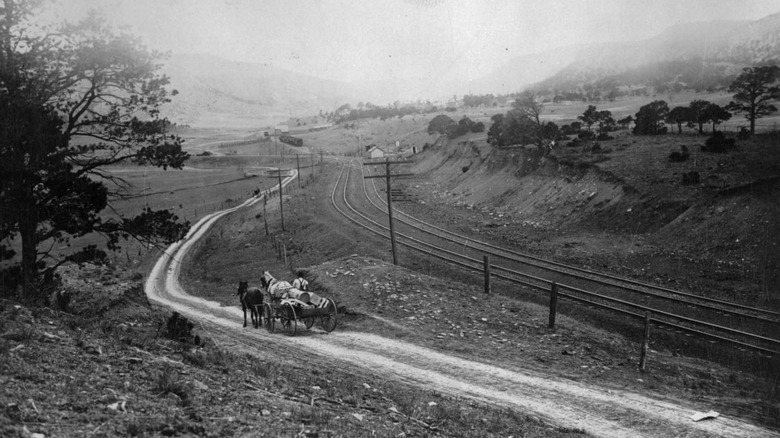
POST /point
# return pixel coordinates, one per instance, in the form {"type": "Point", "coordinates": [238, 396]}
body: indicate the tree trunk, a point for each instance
{"type": "Point", "coordinates": [28, 232]}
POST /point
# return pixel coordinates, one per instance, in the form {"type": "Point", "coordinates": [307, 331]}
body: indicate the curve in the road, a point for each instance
{"type": "Point", "coordinates": [558, 401]}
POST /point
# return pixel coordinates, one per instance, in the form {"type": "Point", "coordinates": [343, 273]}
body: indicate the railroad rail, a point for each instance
{"type": "Point", "coordinates": [716, 320]}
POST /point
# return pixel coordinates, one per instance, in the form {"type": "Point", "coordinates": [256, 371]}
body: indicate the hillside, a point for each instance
{"type": "Point", "coordinates": [623, 205]}
{"type": "Point", "coordinates": [214, 92]}
{"type": "Point", "coordinates": [699, 56]}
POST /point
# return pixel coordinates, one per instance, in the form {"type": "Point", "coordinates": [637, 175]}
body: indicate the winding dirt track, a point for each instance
{"type": "Point", "coordinates": [556, 401]}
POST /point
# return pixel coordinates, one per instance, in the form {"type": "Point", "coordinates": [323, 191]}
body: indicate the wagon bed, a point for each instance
{"type": "Point", "coordinates": [290, 311]}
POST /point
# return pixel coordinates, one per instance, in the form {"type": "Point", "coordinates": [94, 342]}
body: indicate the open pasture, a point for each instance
{"type": "Point", "coordinates": [205, 185]}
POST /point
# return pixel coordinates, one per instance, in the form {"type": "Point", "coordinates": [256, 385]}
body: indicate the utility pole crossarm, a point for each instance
{"type": "Point", "coordinates": [385, 176]}
{"type": "Point", "coordinates": [377, 163]}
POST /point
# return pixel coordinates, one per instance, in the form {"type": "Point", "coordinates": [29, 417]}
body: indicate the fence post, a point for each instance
{"type": "Point", "coordinates": [553, 304]}
{"type": "Point", "coordinates": [284, 252]}
{"type": "Point", "coordinates": [645, 344]}
{"type": "Point", "coordinates": [486, 265]}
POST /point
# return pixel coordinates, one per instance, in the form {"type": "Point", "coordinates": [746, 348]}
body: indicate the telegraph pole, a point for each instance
{"type": "Point", "coordinates": [298, 164]}
{"type": "Point", "coordinates": [387, 177]}
{"type": "Point", "coordinates": [281, 202]}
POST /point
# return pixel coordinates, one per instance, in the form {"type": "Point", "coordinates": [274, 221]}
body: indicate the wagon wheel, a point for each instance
{"type": "Point", "coordinates": [308, 322]}
{"type": "Point", "coordinates": [289, 319]}
{"type": "Point", "coordinates": [329, 318]}
{"type": "Point", "coordinates": [269, 319]}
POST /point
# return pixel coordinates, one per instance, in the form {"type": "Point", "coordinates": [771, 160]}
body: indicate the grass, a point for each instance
{"type": "Point", "coordinates": [168, 381]}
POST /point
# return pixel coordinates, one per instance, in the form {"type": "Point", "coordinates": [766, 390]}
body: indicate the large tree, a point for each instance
{"type": "Point", "coordinates": [755, 90]}
{"type": "Point", "coordinates": [522, 125]}
{"type": "Point", "coordinates": [697, 111]}
{"type": "Point", "coordinates": [677, 116]}
{"type": "Point", "coordinates": [716, 115]}
{"type": "Point", "coordinates": [589, 117]}
{"type": "Point", "coordinates": [650, 118]}
{"type": "Point", "coordinates": [440, 124]}
{"type": "Point", "coordinates": [74, 99]}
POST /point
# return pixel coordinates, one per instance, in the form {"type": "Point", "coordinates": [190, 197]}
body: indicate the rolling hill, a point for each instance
{"type": "Point", "coordinates": [707, 55]}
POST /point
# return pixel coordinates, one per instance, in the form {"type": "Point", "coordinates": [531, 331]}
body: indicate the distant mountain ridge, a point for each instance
{"type": "Point", "coordinates": [217, 92]}
{"type": "Point", "coordinates": [699, 55]}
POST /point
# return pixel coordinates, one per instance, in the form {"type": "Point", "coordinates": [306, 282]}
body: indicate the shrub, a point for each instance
{"type": "Point", "coordinates": [718, 143]}
{"type": "Point", "coordinates": [604, 136]}
{"type": "Point", "coordinates": [62, 299]}
{"type": "Point", "coordinates": [586, 135]}
{"type": "Point", "coordinates": [679, 156]}
{"type": "Point", "coordinates": [180, 328]}
{"type": "Point", "coordinates": [168, 381]}
{"type": "Point", "coordinates": [690, 178]}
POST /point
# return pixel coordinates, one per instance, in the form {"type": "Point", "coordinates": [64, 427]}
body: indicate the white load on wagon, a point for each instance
{"type": "Point", "coordinates": [288, 305]}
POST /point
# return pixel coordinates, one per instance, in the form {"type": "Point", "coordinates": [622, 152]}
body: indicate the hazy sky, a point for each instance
{"type": "Point", "coordinates": [362, 39]}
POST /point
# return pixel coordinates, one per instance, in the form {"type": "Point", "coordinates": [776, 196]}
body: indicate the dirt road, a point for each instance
{"type": "Point", "coordinates": [565, 403]}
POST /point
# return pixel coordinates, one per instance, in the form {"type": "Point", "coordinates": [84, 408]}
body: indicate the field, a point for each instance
{"type": "Point", "coordinates": [206, 184]}
{"type": "Point", "coordinates": [139, 382]}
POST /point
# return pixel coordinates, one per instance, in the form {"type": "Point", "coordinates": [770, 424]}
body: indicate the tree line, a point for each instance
{"type": "Point", "coordinates": [754, 90]}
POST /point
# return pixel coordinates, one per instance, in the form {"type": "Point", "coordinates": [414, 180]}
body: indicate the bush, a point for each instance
{"type": "Point", "coordinates": [690, 178]}
{"type": "Point", "coordinates": [679, 156]}
{"type": "Point", "coordinates": [179, 328]}
{"type": "Point", "coordinates": [586, 135]}
{"type": "Point", "coordinates": [604, 136]}
{"type": "Point", "coordinates": [718, 143]}
{"type": "Point", "coordinates": [167, 381]}
{"type": "Point", "coordinates": [440, 124]}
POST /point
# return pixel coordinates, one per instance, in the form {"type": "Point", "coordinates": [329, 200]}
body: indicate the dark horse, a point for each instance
{"type": "Point", "coordinates": [252, 298]}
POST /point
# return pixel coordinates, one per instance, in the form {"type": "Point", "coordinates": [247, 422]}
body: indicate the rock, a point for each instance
{"type": "Point", "coordinates": [93, 349]}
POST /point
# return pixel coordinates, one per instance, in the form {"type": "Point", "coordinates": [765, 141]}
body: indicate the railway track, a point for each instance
{"type": "Point", "coordinates": [716, 321]}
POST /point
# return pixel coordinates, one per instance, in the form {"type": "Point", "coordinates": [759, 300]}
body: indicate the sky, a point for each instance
{"type": "Point", "coordinates": [353, 40]}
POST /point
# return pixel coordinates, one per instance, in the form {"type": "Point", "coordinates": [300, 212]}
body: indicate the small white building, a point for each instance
{"type": "Point", "coordinates": [282, 129]}
{"type": "Point", "coordinates": [375, 152]}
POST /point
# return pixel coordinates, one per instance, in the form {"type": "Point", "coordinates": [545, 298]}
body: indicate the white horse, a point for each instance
{"type": "Point", "coordinates": [275, 288]}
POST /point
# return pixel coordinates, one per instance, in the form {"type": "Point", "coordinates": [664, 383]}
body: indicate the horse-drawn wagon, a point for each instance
{"type": "Point", "coordinates": [290, 305]}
